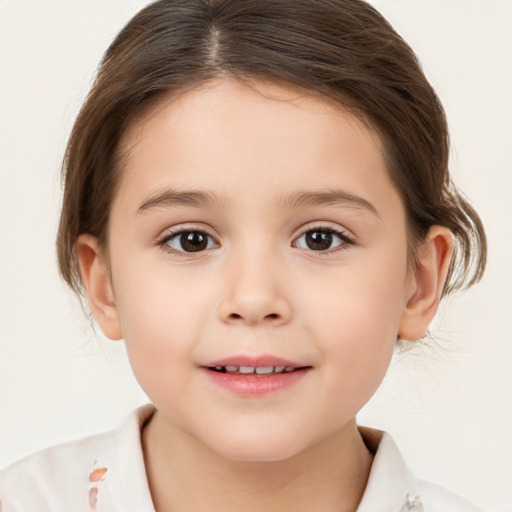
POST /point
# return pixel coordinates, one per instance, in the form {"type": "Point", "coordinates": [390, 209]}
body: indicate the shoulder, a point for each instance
{"type": "Point", "coordinates": [437, 498]}
{"type": "Point", "coordinates": [54, 475]}
{"type": "Point", "coordinates": [392, 487]}
{"type": "Point", "coordinates": [80, 474]}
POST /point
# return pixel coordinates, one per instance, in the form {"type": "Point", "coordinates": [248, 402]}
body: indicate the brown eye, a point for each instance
{"type": "Point", "coordinates": [318, 240]}
{"type": "Point", "coordinates": [190, 241]}
{"type": "Point", "coordinates": [321, 239]}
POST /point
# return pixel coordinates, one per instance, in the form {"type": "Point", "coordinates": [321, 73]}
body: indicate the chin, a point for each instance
{"type": "Point", "coordinates": [256, 452]}
{"type": "Point", "coordinates": [262, 445]}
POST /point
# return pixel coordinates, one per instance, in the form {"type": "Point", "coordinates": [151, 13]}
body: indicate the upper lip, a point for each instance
{"type": "Point", "coordinates": [263, 360]}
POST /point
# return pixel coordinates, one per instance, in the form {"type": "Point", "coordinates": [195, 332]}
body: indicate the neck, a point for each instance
{"type": "Point", "coordinates": [184, 474]}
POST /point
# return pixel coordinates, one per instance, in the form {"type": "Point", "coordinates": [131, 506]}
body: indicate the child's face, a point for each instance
{"type": "Point", "coordinates": [267, 277]}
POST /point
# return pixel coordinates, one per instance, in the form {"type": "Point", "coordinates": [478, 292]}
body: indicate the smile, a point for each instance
{"type": "Point", "coordinates": [248, 370]}
{"type": "Point", "coordinates": [255, 376]}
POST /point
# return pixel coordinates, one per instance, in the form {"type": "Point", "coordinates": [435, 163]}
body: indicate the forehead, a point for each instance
{"type": "Point", "coordinates": [266, 137]}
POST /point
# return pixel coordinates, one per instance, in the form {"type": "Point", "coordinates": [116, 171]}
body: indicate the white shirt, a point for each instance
{"type": "Point", "coordinates": [106, 473]}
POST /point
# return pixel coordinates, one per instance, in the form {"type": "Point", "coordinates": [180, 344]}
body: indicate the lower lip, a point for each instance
{"type": "Point", "coordinates": [256, 385]}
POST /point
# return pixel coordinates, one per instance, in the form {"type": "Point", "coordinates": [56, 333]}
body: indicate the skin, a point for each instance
{"type": "Point", "coordinates": [258, 288]}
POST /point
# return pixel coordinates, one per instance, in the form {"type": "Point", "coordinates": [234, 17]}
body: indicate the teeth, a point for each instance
{"type": "Point", "coordinates": [262, 370]}
{"type": "Point", "coordinates": [259, 370]}
{"type": "Point", "coordinates": [246, 369]}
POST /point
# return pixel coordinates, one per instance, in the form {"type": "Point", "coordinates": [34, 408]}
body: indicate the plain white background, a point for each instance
{"type": "Point", "coordinates": [447, 403]}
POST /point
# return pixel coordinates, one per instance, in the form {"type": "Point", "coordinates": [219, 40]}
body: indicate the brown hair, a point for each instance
{"type": "Point", "coordinates": [342, 49]}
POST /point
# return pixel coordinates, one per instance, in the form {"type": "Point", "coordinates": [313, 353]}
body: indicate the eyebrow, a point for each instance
{"type": "Point", "coordinates": [305, 198]}
{"type": "Point", "coordinates": [205, 199]}
{"type": "Point", "coordinates": [170, 198]}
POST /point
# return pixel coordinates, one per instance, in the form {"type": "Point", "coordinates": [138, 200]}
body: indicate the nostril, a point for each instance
{"type": "Point", "coordinates": [271, 316]}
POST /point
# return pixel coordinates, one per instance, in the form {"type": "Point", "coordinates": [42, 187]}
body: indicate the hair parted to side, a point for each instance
{"type": "Point", "coordinates": [343, 50]}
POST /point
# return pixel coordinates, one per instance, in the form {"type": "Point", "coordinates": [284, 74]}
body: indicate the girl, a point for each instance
{"type": "Point", "coordinates": [257, 201]}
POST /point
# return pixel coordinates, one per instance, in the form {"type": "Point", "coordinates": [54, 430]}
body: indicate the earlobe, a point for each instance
{"type": "Point", "coordinates": [97, 281]}
{"type": "Point", "coordinates": [425, 283]}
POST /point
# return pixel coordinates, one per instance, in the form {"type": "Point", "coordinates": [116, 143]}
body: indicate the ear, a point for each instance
{"type": "Point", "coordinates": [98, 283]}
{"type": "Point", "coordinates": [425, 283]}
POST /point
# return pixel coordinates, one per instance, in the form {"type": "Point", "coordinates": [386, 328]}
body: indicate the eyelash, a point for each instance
{"type": "Point", "coordinates": [346, 240]}
{"type": "Point", "coordinates": [163, 242]}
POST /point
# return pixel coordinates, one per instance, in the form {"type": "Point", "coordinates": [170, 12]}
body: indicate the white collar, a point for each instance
{"type": "Point", "coordinates": [390, 487]}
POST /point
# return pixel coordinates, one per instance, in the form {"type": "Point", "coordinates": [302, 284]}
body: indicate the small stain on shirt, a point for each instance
{"type": "Point", "coordinates": [93, 497]}
{"type": "Point", "coordinates": [97, 475]}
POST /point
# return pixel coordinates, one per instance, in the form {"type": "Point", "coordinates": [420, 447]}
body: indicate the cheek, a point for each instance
{"type": "Point", "coordinates": [358, 322]}
{"type": "Point", "coordinates": [161, 320]}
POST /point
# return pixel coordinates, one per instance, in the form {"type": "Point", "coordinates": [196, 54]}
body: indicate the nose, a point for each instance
{"type": "Point", "coordinates": [254, 292]}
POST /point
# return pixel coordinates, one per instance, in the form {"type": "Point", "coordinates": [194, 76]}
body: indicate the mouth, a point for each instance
{"type": "Point", "coordinates": [254, 370]}
{"type": "Point", "coordinates": [255, 376]}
